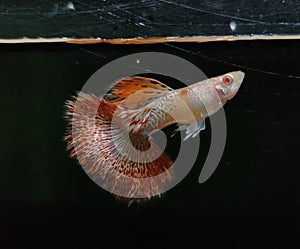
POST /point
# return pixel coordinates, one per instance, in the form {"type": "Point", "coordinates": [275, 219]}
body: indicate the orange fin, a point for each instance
{"type": "Point", "coordinates": [108, 155]}
{"type": "Point", "coordinates": [140, 89]}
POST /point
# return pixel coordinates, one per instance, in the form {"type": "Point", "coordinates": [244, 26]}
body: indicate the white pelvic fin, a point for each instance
{"type": "Point", "coordinates": [192, 130]}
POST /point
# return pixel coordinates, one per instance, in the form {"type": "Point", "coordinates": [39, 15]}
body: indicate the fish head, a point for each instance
{"type": "Point", "coordinates": [227, 85]}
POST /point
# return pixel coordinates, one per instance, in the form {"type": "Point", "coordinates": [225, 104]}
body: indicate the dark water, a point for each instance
{"type": "Point", "coordinates": [253, 196]}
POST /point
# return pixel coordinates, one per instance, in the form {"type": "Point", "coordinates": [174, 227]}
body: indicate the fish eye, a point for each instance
{"type": "Point", "coordinates": [227, 79]}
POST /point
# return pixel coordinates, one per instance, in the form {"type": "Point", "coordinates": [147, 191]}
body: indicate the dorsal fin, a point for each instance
{"type": "Point", "coordinates": [143, 91]}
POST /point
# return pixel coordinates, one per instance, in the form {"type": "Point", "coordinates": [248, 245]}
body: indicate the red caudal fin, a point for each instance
{"type": "Point", "coordinates": [127, 164]}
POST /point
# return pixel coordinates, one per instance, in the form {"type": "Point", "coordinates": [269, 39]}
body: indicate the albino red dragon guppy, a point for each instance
{"type": "Point", "coordinates": [112, 134]}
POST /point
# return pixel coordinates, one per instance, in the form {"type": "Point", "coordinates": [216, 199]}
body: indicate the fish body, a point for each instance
{"type": "Point", "coordinates": [111, 136]}
{"type": "Point", "coordinates": [188, 106]}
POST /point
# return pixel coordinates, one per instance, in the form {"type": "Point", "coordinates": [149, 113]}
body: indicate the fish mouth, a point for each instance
{"type": "Point", "coordinates": [238, 77]}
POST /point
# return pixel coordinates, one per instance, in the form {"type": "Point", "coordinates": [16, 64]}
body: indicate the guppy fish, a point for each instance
{"type": "Point", "coordinates": [111, 136]}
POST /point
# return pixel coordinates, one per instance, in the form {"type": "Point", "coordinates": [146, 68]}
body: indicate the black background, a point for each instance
{"type": "Point", "coordinates": [253, 198]}
{"type": "Point", "coordinates": [147, 18]}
